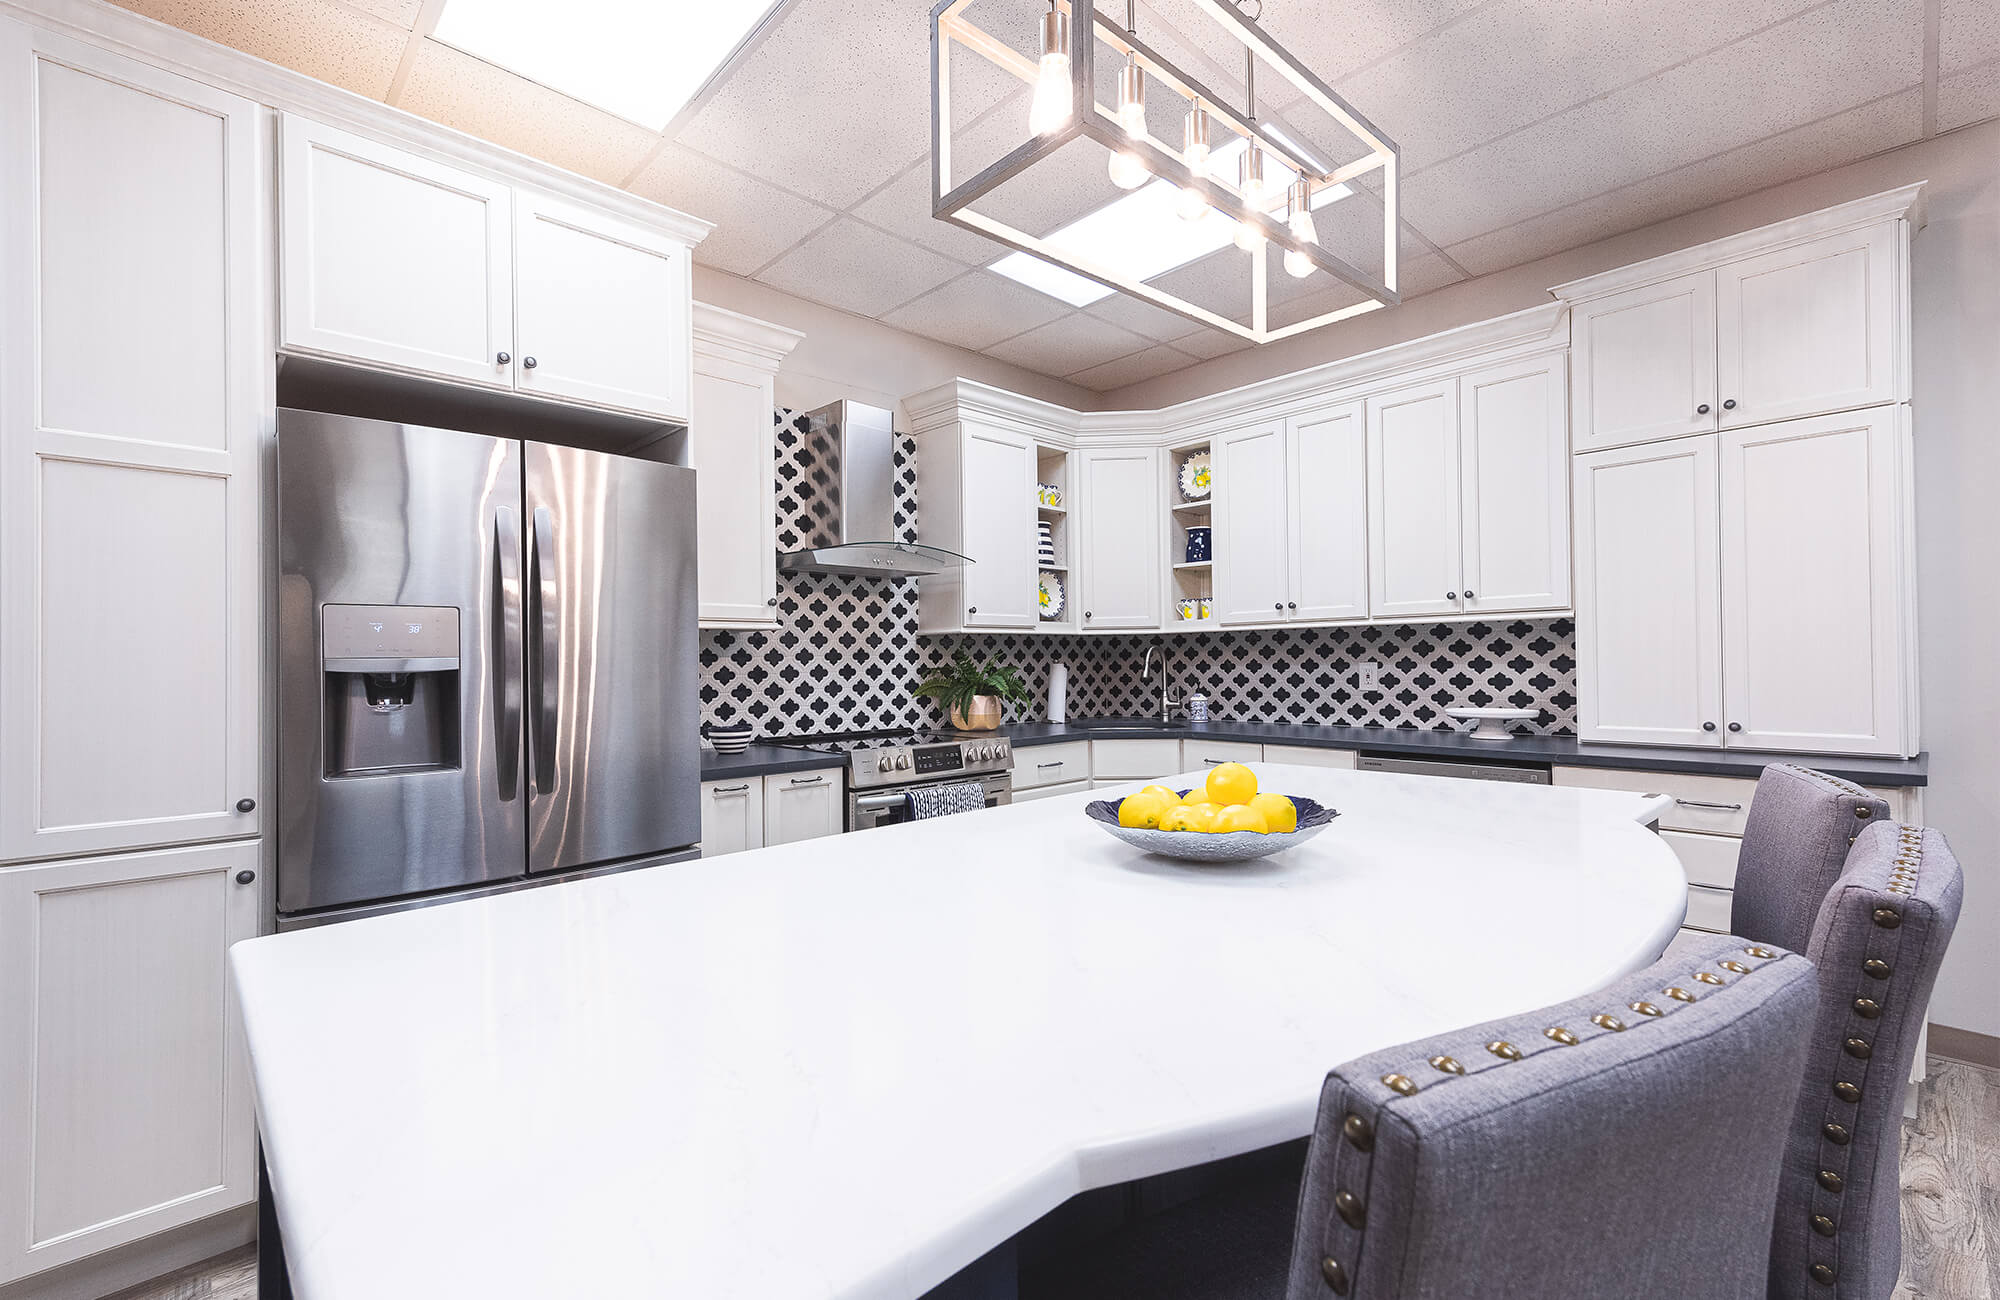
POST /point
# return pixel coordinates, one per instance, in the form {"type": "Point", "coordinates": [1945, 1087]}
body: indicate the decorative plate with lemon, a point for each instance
{"type": "Point", "coordinates": [1227, 820]}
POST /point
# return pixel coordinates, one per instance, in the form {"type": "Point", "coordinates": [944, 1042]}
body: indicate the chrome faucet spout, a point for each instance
{"type": "Point", "coordinates": [1167, 702]}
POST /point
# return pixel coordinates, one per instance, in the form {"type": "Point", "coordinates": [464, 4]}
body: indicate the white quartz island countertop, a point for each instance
{"type": "Point", "coordinates": [849, 1067]}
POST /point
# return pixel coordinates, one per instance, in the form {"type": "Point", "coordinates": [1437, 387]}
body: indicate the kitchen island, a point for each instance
{"type": "Point", "coordinates": [849, 1067]}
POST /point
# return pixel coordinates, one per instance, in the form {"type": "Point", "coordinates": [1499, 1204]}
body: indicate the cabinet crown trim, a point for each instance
{"type": "Point", "coordinates": [731, 336]}
{"type": "Point", "coordinates": [1905, 203]}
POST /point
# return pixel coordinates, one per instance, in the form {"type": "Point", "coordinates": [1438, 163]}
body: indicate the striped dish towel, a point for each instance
{"type": "Point", "coordinates": [944, 800]}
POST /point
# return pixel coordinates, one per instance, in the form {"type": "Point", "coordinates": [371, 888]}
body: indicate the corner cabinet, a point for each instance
{"type": "Point", "coordinates": [731, 440]}
{"type": "Point", "coordinates": [132, 403]}
{"type": "Point", "coordinates": [977, 485]}
{"type": "Point", "coordinates": [1119, 538]}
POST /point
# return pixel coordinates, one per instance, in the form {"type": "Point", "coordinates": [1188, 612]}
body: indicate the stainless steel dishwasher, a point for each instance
{"type": "Point", "coordinates": [1520, 774]}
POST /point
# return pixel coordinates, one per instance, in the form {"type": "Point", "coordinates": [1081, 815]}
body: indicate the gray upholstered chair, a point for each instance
{"type": "Point", "coordinates": [1876, 945]}
{"type": "Point", "coordinates": [1626, 1144]}
{"type": "Point", "coordinates": [1802, 823]}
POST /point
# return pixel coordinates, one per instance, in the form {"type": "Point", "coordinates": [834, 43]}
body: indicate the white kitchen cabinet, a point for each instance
{"type": "Point", "coordinates": [1199, 754]}
{"type": "Point", "coordinates": [1117, 521]}
{"type": "Point", "coordinates": [392, 259]}
{"type": "Point", "coordinates": [1134, 760]}
{"type": "Point", "coordinates": [1810, 328]}
{"type": "Point", "coordinates": [803, 806]}
{"type": "Point", "coordinates": [1514, 487]}
{"type": "Point", "coordinates": [122, 1066]}
{"type": "Point", "coordinates": [1813, 571]}
{"type": "Point", "coordinates": [732, 816]}
{"type": "Point", "coordinates": [977, 483]}
{"type": "Point", "coordinates": [1644, 363]}
{"type": "Point", "coordinates": [1064, 763]}
{"type": "Point", "coordinates": [136, 368]}
{"type": "Point", "coordinates": [1309, 756]}
{"type": "Point", "coordinates": [1252, 527]}
{"type": "Point", "coordinates": [730, 446]}
{"type": "Point", "coordinates": [1648, 571]}
{"type": "Point", "coordinates": [1034, 793]}
{"type": "Point", "coordinates": [1326, 480]}
{"type": "Point", "coordinates": [601, 309]}
{"type": "Point", "coordinates": [1413, 508]}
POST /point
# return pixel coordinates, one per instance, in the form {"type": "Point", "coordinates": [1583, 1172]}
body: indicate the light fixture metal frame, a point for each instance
{"type": "Point", "coordinates": [1090, 119]}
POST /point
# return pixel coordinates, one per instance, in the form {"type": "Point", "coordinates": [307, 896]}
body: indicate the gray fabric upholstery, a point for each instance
{"type": "Point", "coordinates": [1876, 945]}
{"type": "Point", "coordinates": [1801, 825]}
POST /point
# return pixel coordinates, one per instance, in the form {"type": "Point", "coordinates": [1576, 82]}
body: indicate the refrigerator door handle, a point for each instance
{"type": "Point", "coordinates": [507, 646]}
{"type": "Point", "coordinates": [546, 659]}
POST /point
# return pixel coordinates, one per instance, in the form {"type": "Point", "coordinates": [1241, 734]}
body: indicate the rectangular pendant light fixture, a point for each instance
{"type": "Point", "coordinates": [1268, 192]}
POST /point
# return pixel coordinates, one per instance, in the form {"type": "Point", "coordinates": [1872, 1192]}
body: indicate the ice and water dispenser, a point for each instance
{"type": "Point", "coordinates": [390, 673]}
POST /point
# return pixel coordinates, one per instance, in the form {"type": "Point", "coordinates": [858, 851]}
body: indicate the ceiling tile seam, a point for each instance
{"type": "Point", "coordinates": [737, 58]}
{"type": "Point", "coordinates": [420, 31]}
{"type": "Point", "coordinates": [1720, 153]}
{"type": "Point", "coordinates": [647, 159]}
{"type": "Point", "coordinates": [1145, 346]}
{"type": "Point", "coordinates": [1964, 68]}
{"type": "Point", "coordinates": [1418, 39]}
{"type": "Point", "coordinates": [752, 177]}
{"type": "Point", "coordinates": [1607, 93]}
{"type": "Point", "coordinates": [1932, 25]}
{"type": "Point", "coordinates": [794, 247]}
{"type": "Point", "coordinates": [939, 287]}
{"type": "Point", "coordinates": [1007, 103]}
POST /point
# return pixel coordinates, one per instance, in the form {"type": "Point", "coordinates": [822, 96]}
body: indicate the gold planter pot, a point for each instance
{"type": "Point", "coordinates": [985, 715]}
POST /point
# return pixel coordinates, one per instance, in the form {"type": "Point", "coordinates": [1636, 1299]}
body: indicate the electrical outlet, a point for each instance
{"type": "Point", "coordinates": [1368, 675]}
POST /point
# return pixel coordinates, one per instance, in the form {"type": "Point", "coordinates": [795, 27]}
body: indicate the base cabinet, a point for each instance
{"type": "Point", "coordinates": [1051, 791]}
{"type": "Point", "coordinates": [732, 816]}
{"type": "Point", "coordinates": [1309, 756]}
{"type": "Point", "coordinates": [125, 1102]}
{"type": "Point", "coordinates": [803, 806]}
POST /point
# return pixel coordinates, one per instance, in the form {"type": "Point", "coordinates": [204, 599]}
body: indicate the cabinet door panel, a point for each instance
{"type": "Point", "coordinates": [730, 447]}
{"type": "Point", "coordinates": [1811, 582]}
{"type": "Point", "coordinates": [1649, 648]}
{"type": "Point", "coordinates": [1120, 530]}
{"type": "Point", "coordinates": [999, 497]}
{"type": "Point", "coordinates": [1514, 487]}
{"type": "Point", "coordinates": [1413, 511]}
{"type": "Point", "coordinates": [129, 539]}
{"type": "Point", "coordinates": [1809, 329]}
{"type": "Point", "coordinates": [1327, 486]}
{"type": "Point", "coordinates": [803, 807]}
{"type": "Point", "coordinates": [732, 816]}
{"type": "Point", "coordinates": [1645, 363]}
{"type": "Point", "coordinates": [603, 310]}
{"type": "Point", "coordinates": [391, 259]}
{"type": "Point", "coordinates": [124, 1071]}
{"type": "Point", "coordinates": [1252, 545]}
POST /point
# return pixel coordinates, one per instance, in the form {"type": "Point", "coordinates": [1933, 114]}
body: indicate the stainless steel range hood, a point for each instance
{"type": "Point", "coordinates": [849, 495]}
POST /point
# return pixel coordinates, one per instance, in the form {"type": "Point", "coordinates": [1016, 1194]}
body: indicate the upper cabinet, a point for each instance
{"type": "Point", "coordinates": [390, 259]}
{"type": "Point", "coordinates": [1119, 536]}
{"type": "Point", "coordinates": [1251, 523]}
{"type": "Point", "coordinates": [1291, 519]}
{"type": "Point", "coordinates": [976, 483]}
{"type": "Point", "coordinates": [1803, 318]}
{"type": "Point", "coordinates": [730, 446]}
{"type": "Point", "coordinates": [137, 368]}
{"type": "Point", "coordinates": [1413, 516]}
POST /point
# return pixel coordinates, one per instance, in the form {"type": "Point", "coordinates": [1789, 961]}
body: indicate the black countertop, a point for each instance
{"type": "Point", "coordinates": [1563, 750]}
{"type": "Point", "coordinates": [763, 760]}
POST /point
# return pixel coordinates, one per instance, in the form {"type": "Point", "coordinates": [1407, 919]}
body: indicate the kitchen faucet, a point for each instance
{"type": "Point", "coordinates": [1167, 703]}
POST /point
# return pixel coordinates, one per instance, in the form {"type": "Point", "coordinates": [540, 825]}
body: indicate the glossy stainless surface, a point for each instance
{"type": "Point", "coordinates": [944, 761]}
{"type": "Point", "coordinates": [851, 500]}
{"type": "Point", "coordinates": [613, 716]}
{"type": "Point", "coordinates": [870, 809]}
{"type": "Point", "coordinates": [1524, 775]}
{"type": "Point", "coordinates": [384, 514]}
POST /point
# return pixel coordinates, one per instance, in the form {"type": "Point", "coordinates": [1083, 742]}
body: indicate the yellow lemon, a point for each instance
{"type": "Point", "coordinates": [1142, 811]}
{"type": "Point", "coordinates": [1238, 817]}
{"type": "Point", "coordinates": [1280, 814]}
{"type": "Point", "coordinates": [1182, 817]}
{"type": "Point", "coordinates": [1172, 797]}
{"type": "Point", "coordinates": [1205, 813]}
{"type": "Point", "coordinates": [1232, 783]}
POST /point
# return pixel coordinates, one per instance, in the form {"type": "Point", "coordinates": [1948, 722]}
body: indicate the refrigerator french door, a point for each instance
{"type": "Point", "coordinates": [486, 663]}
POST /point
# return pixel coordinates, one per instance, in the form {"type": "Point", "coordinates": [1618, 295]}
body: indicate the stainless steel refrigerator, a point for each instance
{"type": "Point", "coordinates": [487, 664]}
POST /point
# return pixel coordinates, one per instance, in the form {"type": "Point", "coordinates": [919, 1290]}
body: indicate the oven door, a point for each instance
{"type": "Point", "coordinates": [868, 809]}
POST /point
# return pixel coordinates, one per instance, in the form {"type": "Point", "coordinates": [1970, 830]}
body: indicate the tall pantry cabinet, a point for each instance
{"type": "Point", "coordinates": [134, 364]}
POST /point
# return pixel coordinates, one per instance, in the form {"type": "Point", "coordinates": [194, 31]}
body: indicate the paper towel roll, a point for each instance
{"type": "Point", "coordinates": [1059, 693]}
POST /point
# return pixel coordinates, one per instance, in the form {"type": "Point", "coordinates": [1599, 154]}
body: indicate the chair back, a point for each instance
{"type": "Point", "coordinates": [1626, 1144]}
{"type": "Point", "coordinates": [1801, 825]}
{"type": "Point", "coordinates": [1876, 947]}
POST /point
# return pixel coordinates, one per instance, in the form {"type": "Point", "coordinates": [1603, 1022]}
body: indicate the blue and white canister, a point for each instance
{"type": "Point", "coordinates": [1197, 707]}
{"type": "Point", "coordinates": [1197, 544]}
{"type": "Point", "coordinates": [1045, 544]}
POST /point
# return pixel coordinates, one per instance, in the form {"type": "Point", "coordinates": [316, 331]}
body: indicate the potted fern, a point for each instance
{"type": "Point", "coordinates": [972, 694]}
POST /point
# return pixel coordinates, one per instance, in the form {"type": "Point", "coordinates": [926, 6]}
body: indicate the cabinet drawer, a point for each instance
{"type": "Point", "coordinates": [1198, 754]}
{"type": "Point", "coordinates": [1708, 909]}
{"type": "Point", "coordinates": [1307, 756]}
{"type": "Point", "coordinates": [1050, 791]}
{"type": "Point", "coordinates": [1051, 764]}
{"type": "Point", "coordinates": [1132, 760]}
{"type": "Point", "coordinates": [1708, 859]}
{"type": "Point", "coordinates": [1715, 805]}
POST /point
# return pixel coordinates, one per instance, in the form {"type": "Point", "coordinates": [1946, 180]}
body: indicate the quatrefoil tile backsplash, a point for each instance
{"type": "Point", "coordinates": [846, 655]}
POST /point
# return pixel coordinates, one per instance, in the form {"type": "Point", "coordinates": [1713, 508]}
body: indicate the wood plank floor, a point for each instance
{"type": "Point", "coordinates": [1951, 1202]}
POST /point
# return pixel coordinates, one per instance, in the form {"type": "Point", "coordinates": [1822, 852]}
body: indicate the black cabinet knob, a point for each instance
{"type": "Point", "coordinates": [773, 601]}
{"type": "Point", "coordinates": [1277, 604]}
{"type": "Point", "coordinates": [246, 805]}
{"type": "Point", "coordinates": [1736, 726]}
{"type": "Point", "coordinates": [1451, 595]}
{"type": "Point", "coordinates": [1291, 604]}
{"type": "Point", "coordinates": [1729, 405]}
{"type": "Point", "coordinates": [972, 609]}
{"type": "Point", "coordinates": [528, 362]}
{"type": "Point", "coordinates": [1087, 614]}
{"type": "Point", "coordinates": [1702, 409]}
{"type": "Point", "coordinates": [1708, 726]}
{"type": "Point", "coordinates": [503, 358]}
{"type": "Point", "coordinates": [246, 877]}
{"type": "Point", "coordinates": [1468, 595]}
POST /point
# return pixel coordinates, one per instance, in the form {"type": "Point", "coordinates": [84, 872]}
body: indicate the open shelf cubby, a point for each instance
{"type": "Point", "coordinates": [1190, 583]}
{"type": "Point", "coordinates": [1052, 471]}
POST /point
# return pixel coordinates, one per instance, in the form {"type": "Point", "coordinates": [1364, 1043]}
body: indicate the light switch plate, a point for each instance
{"type": "Point", "coordinates": [1368, 675]}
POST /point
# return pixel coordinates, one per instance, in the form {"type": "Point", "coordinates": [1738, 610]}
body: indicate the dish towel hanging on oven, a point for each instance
{"type": "Point", "coordinates": [944, 800]}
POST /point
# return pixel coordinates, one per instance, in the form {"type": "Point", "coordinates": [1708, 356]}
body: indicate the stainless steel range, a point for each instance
{"type": "Point", "coordinates": [884, 766]}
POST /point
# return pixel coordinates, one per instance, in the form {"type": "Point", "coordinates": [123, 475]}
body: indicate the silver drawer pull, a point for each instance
{"type": "Point", "coordinates": [1057, 764]}
{"type": "Point", "coordinates": [807, 780]}
{"type": "Point", "coordinates": [731, 789]}
{"type": "Point", "coordinates": [1718, 807]}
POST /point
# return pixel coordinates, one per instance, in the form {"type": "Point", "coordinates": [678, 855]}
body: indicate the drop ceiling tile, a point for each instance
{"type": "Point", "coordinates": [332, 42]}
{"type": "Point", "coordinates": [754, 221]}
{"type": "Point", "coordinates": [975, 311]}
{"type": "Point", "coordinates": [1139, 316]}
{"type": "Point", "coordinates": [403, 13]}
{"type": "Point", "coordinates": [857, 268]}
{"type": "Point", "coordinates": [1068, 344]}
{"type": "Point", "coordinates": [1805, 151]}
{"type": "Point", "coordinates": [477, 97]}
{"type": "Point", "coordinates": [903, 207]}
{"type": "Point", "coordinates": [1970, 96]}
{"type": "Point", "coordinates": [1427, 274]}
{"type": "Point", "coordinates": [1968, 33]}
{"type": "Point", "coordinates": [1842, 55]}
{"type": "Point", "coordinates": [1133, 369]}
{"type": "Point", "coordinates": [836, 101]}
{"type": "Point", "coordinates": [1208, 342]}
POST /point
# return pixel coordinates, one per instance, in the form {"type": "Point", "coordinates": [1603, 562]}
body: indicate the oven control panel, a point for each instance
{"type": "Point", "coordinates": [906, 765]}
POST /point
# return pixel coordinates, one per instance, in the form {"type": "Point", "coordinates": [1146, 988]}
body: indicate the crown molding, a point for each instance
{"type": "Point", "coordinates": [731, 336]}
{"type": "Point", "coordinates": [1905, 203]}
{"type": "Point", "coordinates": [199, 59]}
{"type": "Point", "coordinates": [968, 399]}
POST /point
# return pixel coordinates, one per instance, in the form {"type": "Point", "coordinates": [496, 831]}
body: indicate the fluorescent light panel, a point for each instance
{"type": "Point", "coordinates": [640, 59]}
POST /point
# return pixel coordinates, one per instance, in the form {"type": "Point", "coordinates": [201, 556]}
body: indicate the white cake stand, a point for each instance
{"type": "Point", "coordinates": [1492, 722]}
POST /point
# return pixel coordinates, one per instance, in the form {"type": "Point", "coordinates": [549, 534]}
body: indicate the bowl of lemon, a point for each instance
{"type": "Point", "coordinates": [1227, 820]}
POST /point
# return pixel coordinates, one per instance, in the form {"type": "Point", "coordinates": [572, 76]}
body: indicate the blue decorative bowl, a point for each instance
{"type": "Point", "coordinates": [1228, 846]}
{"type": "Point", "coordinates": [728, 737]}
